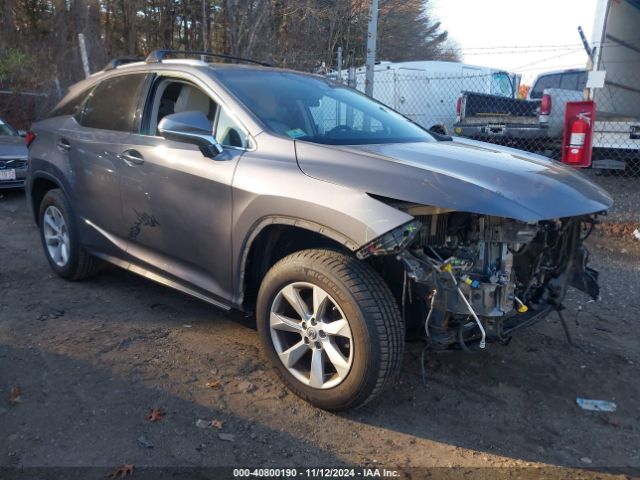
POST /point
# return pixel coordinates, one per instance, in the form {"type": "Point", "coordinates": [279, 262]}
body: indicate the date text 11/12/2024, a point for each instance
{"type": "Point", "coordinates": [315, 473]}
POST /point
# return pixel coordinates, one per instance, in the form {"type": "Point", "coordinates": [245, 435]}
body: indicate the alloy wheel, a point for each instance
{"type": "Point", "coordinates": [311, 335]}
{"type": "Point", "coordinates": [56, 235]}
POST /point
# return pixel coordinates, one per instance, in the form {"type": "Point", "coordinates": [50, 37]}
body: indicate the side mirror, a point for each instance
{"type": "Point", "coordinates": [190, 127]}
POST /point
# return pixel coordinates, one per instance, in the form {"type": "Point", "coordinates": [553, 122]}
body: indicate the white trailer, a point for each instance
{"type": "Point", "coordinates": [616, 38]}
{"type": "Point", "coordinates": [427, 91]}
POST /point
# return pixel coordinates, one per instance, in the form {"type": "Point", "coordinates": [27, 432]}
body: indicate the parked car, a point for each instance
{"type": "Point", "coordinates": [337, 221]}
{"type": "Point", "coordinates": [424, 90]}
{"type": "Point", "coordinates": [535, 123]}
{"type": "Point", "coordinates": [13, 157]}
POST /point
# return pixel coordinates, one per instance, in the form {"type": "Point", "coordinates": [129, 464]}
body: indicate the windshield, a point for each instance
{"type": "Point", "coordinates": [7, 130]}
{"type": "Point", "coordinates": [318, 110]}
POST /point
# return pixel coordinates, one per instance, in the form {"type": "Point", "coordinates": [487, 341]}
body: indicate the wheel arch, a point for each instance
{"type": "Point", "coordinates": [39, 184]}
{"type": "Point", "coordinates": [271, 239]}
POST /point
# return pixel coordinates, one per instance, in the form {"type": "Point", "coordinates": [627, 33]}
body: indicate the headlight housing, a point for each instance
{"type": "Point", "coordinates": [392, 242]}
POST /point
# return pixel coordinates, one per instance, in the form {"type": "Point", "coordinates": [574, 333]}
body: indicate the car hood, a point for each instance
{"type": "Point", "coordinates": [462, 175]}
{"type": "Point", "coordinates": [12, 146]}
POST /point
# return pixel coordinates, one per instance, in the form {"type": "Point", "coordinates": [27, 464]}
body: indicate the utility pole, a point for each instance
{"type": "Point", "coordinates": [340, 64]}
{"type": "Point", "coordinates": [372, 36]}
{"type": "Point", "coordinates": [83, 54]}
{"type": "Point", "coordinates": [205, 21]}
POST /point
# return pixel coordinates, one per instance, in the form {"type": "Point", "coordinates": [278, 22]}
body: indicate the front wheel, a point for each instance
{"type": "Point", "coordinates": [331, 328]}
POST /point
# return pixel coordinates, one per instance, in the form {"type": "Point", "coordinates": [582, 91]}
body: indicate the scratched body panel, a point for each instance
{"type": "Point", "coordinates": [176, 212]}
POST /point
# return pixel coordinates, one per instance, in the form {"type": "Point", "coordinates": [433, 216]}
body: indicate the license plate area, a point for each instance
{"type": "Point", "coordinates": [8, 174]}
{"type": "Point", "coordinates": [495, 129]}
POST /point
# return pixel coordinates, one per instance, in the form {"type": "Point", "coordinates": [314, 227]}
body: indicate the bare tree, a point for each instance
{"type": "Point", "coordinates": [301, 34]}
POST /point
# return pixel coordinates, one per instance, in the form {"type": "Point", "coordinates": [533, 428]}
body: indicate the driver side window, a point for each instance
{"type": "Point", "coordinates": [175, 96]}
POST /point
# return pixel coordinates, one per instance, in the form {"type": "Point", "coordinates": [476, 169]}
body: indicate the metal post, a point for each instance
{"type": "Point", "coordinates": [205, 18]}
{"type": "Point", "coordinates": [83, 55]}
{"type": "Point", "coordinates": [372, 36]}
{"type": "Point", "coordinates": [351, 82]}
{"type": "Point", "coordinates": [58, 88]}
{"type": "Point", "coordinates": [592, 65]}
{"type": "Point", "coordinates": [340, 64]}
{"type": "Point", "coordinates": [351, 77]}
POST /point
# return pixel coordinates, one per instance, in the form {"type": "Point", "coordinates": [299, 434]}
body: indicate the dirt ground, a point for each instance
{"type": "Point", "coordinates": [92, 359]}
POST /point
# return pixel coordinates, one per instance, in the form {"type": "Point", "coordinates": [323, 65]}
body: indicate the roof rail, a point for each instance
{"type": "Point", "coordinates": [158, 55]}
{"type": "Point", "coordinates": [116, 62]}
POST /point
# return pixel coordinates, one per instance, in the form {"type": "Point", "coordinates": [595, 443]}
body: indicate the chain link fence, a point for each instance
{"type": "Point", "coordinates": [521, 111]}
{"type": "Point", "coordinates": [20, 109]}
{"type": "Point", "coordinates": [525, 112]}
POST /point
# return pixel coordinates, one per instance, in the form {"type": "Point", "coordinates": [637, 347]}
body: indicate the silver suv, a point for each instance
{"type": "Point", "coordinates": [338, 222]}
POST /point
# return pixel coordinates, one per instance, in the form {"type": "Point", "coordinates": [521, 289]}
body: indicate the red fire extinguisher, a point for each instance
{"type": "Point", "coordinates": [579, 129]}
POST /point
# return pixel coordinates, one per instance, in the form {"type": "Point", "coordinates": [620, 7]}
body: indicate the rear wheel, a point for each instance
{"type": "Point", "coordinates": [59, 237]}
{"type": "Point", "coordinates": [330, 327]}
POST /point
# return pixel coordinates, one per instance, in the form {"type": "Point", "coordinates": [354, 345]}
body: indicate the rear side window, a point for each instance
{"type": "Point", "coordinates": [546, 81]}
{"type": "Point", "coordinates": [114, 104]}
{"type": "Point", "coordinates": [7, 130]}
{"type": "Point", "coordinates": [69, 106]}
{"type": "Point", "coordinates": [574, 81]}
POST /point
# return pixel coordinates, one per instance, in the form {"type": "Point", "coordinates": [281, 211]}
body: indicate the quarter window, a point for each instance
{"type": "Point", "coordinates": [228, 133]}
{"type": "Point", "coordinates": [69, 106]}
{"type": "Point", "coordinates": [113, 104]}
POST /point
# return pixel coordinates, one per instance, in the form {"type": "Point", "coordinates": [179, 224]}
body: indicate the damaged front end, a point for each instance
{"type": "Point", "coordinates": [468, 279]}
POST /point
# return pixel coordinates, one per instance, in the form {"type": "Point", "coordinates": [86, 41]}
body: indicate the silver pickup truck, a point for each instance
{"type": "Point", "coordinates": [535, 123]}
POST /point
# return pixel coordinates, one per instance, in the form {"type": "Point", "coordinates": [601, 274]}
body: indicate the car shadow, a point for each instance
{"type": "Point", "coordinates": [515, 401]}
{"type": "Point", "coordinates": [74, 413]}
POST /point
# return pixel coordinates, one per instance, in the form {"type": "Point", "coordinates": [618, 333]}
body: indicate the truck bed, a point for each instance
{"type": "Point", "coordinates": [502, 120]}
{"type": "Point", "coordinates": [483, 108]}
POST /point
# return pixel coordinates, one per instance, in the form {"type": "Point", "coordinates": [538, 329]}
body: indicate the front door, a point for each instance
{"type": "Point", "coordinates": [176, 202]}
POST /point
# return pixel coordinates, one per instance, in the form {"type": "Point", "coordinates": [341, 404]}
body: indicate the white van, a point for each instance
{"type": "Point", "coordinates": [427, 91]}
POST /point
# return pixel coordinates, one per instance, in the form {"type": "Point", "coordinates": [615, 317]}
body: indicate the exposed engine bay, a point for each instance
{"type": "Point", "coordinates": [469, 279]}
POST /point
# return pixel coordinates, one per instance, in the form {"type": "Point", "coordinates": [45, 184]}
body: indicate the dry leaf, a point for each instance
{"type": "Point", "coordinates": [155, 415]}
{"type": "Point", "coordinates": [214, 384]}
{"type": "Point", "coordinates": [124, 471]}
{"type": "Point", "coordinates": [14, 396]}
{"type": "Point", "coordinates": [217, 423]}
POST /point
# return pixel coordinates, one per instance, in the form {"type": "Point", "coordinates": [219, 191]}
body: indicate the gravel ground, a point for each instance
{"type": "Point", "coordinates": [626, 195]}
{"type": "Point", "coordinates": [92, 360]}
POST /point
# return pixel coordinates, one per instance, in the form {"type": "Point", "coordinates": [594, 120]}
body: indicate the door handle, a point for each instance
{"type": "Point", "coordinates": [131, 158]}
{"type": "Point", "coordinates": [63, 145]}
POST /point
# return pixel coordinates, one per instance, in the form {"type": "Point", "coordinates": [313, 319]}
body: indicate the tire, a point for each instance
{"type": "Point", "coordinates": [373, 344]}
{"type": "Point", "coordinates": [77, 264]}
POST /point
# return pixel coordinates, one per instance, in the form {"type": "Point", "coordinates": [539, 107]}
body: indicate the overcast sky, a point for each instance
{"type": "Point", "coordinates": [531, 36]}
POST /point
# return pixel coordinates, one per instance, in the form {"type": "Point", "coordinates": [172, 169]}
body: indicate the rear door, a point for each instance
{"type": "Point", "coordinates": [176, 202]}
{"type": "Point", "coordinates": [93, 139]}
